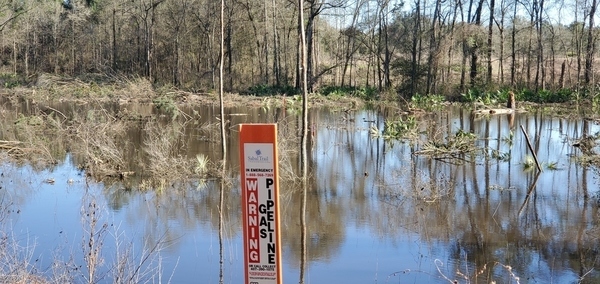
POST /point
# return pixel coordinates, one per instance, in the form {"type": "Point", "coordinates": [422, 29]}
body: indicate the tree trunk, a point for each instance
{"type": "Point", "coordinates": [223, 141]}
{"type": "Point", "coordinates": [314, 10]}
{"type": "Point", "coordinates": [529, 59]}
{"type": "Point", "coordinates": [591, 44]}
{"type": "Point", "coordinates": [415, 46]}
{"type": "Point", "coordinates": [114, 41]}
{"type": "Point", "coordinates": [229, 51]}
{"type": "Point", "coordinates": [350, 42]}
{"type": "Point", "coordinates": [266, 43]}
{"type": "Point", "coordinates": [451, 47]}
{"type": "Point", "coordinates": [540, 73]}
{"type": "Point", "coordinates": [221, 77]}
{"type": "Point", "coordinates": [148, 35]}
{"type": "Point", "coordinates": [433, 50]}
{"type": "Point", "coordinates": [489, 43]}
{"type": "Point", "coordinates": [276, 59]}
{"type": "Point", "coordinates": [310, 47]}
{"type": "Point", "coordinates": [73, 61]}
{"type": "Point", "coordinates": [303, 67]}
{"type": "Point", "coordinates": [561, 80]}
{"type": "Point", "coordinates": [27, 49]}
{"type": "Point", "coordinates": [502, 39]}
{"type": "Point", "coordinates": [513, 48]}
{"type": "Point", "coordinates": [475, 47]}
{"type": "Point", "coordinates": [176, 60]}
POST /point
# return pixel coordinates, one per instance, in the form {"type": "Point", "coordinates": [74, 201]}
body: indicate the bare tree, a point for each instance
{"type": "Point", "coordinates": [315, 8]}
{"type": "Point", "coordinates": [415, 47]}
{"type": "Point", "coordinates": [475, 46]}
{"type": "Point", "coordinates": [539, 25]}
{"type": "Point", "coordinates": [350, 34]}
{"type": "Point", "coordinates": [432, 61]}
{"type": "Point", "coordinates": [490, 42]}
{"type": "Point", "coordinates": [9, 11]}
{"type": "Point", "coordinates": [591, 45]}
{"type": "Point", "coordinates": [304, 73]}
{"type": "Point", "coordinates": [500, 26]}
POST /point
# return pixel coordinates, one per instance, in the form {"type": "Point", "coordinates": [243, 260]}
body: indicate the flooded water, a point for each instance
{"type": "Point", "coordinates": [378, 211]}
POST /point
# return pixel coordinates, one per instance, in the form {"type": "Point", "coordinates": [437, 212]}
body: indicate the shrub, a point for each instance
{"type": "Point", "coordinates": [272, 90]}
{"type": "Point", "coordinates": [428, 102]}
{"type": "Point", "coordinates": [365, 93]}
{"type": "Point", "coordinates": [547, 96]}
{"type": "Point", "coordinates": [397, 129]}
{"type": "Point", "coordinates": [167, 105]}
{"type": "Point", "coordinates": [11, 80]}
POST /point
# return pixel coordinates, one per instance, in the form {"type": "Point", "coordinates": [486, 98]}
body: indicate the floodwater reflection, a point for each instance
{"type": "Point", "coordinates": [375, 210]}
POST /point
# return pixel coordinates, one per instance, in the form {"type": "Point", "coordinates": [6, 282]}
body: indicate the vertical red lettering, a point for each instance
{"type": "Point", "coordinates": [252, 203]}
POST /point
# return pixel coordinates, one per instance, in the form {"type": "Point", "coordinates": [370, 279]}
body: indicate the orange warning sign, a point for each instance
{"type": "Point", "coordinates": [260, 203]}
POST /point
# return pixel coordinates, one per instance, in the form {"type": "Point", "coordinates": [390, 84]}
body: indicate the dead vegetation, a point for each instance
{"type": "Point", "coordinates": [163, 145]}
{"type": "Point", "coordinates": [457, 146]}
{"type": "Point", "coordinates": [122, 143]}
{"type": "Point", "coordinates": [99, 139]}
{"type": "Point", "coordinates": [588, 146]}
{"type": "Point", "coordinates": [105, 144]}
{"type": "Point", "coordinates": [27, 138]}
{"type": "Point", "coordinates": [96, 87]}
{"type": "Point", "coordinates": [19, 264]}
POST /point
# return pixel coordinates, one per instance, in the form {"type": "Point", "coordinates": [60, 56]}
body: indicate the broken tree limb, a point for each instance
{"type": "Point", "coordinates": [529, 192]}
{"type": "Point", "coordinates": [531, 149]}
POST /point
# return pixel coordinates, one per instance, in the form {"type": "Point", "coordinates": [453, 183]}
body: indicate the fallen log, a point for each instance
{"type": "Point", "coordinates": [494, 111]}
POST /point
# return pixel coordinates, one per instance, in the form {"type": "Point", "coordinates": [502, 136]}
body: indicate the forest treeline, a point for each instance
{"type": "Point", "coordinates": [405, 48]}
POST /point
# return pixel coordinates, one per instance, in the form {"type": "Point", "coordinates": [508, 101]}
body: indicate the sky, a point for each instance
{"type": "Point", "coordinates": [556, 11]}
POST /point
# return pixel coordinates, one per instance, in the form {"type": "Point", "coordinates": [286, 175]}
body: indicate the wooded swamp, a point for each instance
{"type": "Point", "coordinates": [99, 192]}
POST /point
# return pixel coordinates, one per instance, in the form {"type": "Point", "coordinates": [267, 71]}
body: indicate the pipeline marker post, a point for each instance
{"type": "Point", "coordinates": [260, 203]}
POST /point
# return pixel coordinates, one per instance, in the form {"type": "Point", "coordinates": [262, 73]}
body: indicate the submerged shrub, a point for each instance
{"type": "Point", "coordinates": [427, 102]}
{"type": "Point", "coordinates": [461, 143]}
{"type": "Point", "coordinates": [397, 129]}
{"type": "Point", "coordinates": [167, 105]}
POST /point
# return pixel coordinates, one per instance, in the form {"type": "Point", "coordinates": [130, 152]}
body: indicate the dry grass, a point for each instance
{"type": "Point", "coordinates": [422, 189]}
{"type": "Point", "coordinates": [288, 147]}
{"type": "Point", "coordinates": [162, 145]}
{"type": "Point", "coordinates": [103, 144]}
{"type": "Point", "coordinates": [455, 146]}
{"type": "Point", "coordinates": [475, 275]}
{"type": "Point", "coordinates": [34, 138]}
{"type": "Point", "coordinates": [94, 232]}
{"type": "Point", "coordinates": [18, 265]}
{"type": "Point", "coordinates": [101, 87]}
{"type": "Point", "coordinates": [97, 139]}
{"type": "Point", "coordinates": [16, 261]}
{"type": "Point", "coordinates": [128, 89]}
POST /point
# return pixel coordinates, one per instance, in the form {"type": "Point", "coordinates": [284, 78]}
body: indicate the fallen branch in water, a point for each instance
{"type": "Point", "coordinates": [8, 144]}
{"type": "Point", "coordinates": [13, 148]}
{"type": "Point", "coordinates": [539, 167]}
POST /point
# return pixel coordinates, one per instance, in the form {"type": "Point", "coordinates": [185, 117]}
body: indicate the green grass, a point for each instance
{"type": "Point", "coordinates": [428, 102]}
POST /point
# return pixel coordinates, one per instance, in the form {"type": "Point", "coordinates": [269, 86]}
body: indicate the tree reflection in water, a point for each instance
{"type": "Point", "coordinates": [371, 206]}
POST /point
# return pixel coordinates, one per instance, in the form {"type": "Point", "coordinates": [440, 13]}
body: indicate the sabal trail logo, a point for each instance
{"type": "Point", "coordinates": [258, 157]}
